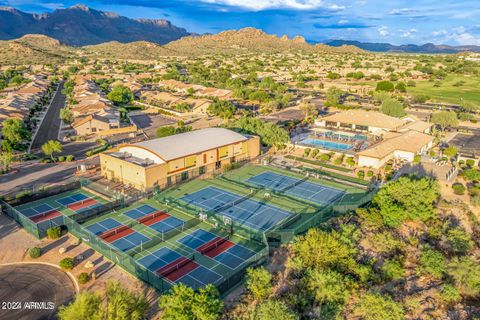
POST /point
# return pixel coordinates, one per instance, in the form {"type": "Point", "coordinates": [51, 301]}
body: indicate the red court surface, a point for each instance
{"type": "Point", "coordinates": [214, 247]}
{"type": "Point", "coordinates": [153, 218]}
{"type": "Point", "coordinates": [45, 216]}
{"type": "Point", "coordinates": [82, 204]}
{"type": "Point", "coordinates": [117, 233]}
{"type": "Point", "coordinates": [177, 269]}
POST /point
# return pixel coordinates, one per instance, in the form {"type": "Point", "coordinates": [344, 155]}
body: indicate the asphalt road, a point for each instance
{"type": "Point", "coordinates": [33, 291]}
{"type": "Point", "coordinates": [51, 123]}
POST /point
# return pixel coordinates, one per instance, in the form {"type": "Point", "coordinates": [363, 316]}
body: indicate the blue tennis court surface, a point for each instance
{"type": "Point", "coordinates": [232, 257]}
{"type": "Point", "coordinates": [197, 278]}
{"type": "Point", "coordinates": [141, 211]}
{"type": "Point", "coordinates": [72, 199]}
{"type": "Point", "coordinates": [103, 226]}
{"type": "Point", "coordinates": [304, 189]}
{"type": "Point", "coordinates": [130, 241]}
{"type": "Point", "coordinates": [167, 224]}
{"type": "Point", "coordinates": [33, 211]}
{"type": "Point", "coordinates": [254, 214]}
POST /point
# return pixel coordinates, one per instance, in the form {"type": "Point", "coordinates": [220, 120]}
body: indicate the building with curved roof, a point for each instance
{"type": "Point", "coordinates": [165, 161]}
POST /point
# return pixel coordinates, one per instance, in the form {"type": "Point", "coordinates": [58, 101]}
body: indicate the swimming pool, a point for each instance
{"type": "Point", "coordinates": [331, 145]}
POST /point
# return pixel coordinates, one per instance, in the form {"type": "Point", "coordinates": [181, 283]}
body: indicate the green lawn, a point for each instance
{"type": "Point", "coordinates": [447, 92]}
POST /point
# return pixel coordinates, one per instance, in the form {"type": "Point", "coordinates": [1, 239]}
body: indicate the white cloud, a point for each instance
{"type": "Point", "coordinates": [270, 4]}
{"type": "Point", "coordinates": [383, 31]}
{"type": "Point", "coordinates": [458, 35]}
{"type": "Point", "coordinates": [411, 33]}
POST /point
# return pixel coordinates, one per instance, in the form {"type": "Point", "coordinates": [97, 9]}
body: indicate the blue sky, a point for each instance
{"type": "Point", "coordinates": [453, 22]}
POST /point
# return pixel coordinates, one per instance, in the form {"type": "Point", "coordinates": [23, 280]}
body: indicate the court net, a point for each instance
{"type": "Point", "coordinates": [212, 245]}
{"type": "Point", "coordinates": [152, 216]}
{"type": "Point", "coordinates": [234, 202]}
{"type": "Point", "coordinates": [114, 231]}
{"type": "Point", "coordinates": [296, 183]}
{"type": "Point", "coordinates": [175, 266]}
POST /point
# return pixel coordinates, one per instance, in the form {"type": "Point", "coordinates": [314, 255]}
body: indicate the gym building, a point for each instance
{"type": "Point", "coordinates": [165, 161]}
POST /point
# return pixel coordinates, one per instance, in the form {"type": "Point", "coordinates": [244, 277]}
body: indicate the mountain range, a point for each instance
{"type": "Point", "coordinates": [80, 25]}
{"type": "Point", "coordinates": [407, 48]}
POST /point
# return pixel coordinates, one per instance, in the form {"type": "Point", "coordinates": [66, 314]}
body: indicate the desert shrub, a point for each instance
{"type": "Point", "coordinates": [470, 162]}
{"type": "Point", "coordinates": [314, 153]}
{"type": "Point", "coordinates": [83, 278]}
{"type": "Point", "coordinates": [458, 188]}
{"type": "Point", "coordinates": [306, 152]}
{"type": "Point", "coordinates": [67, 263]}
{"type": "Point", "coordinates": [54, 232]}
{"type": "Point", "coordinates": [70, 158]}
{"type": "Point", "coordinates": [475, 200]}
{"type": "Point", "coordinates": [35, 252]}
{"type": "Point", "coordinates": [361, 174]}
{"type": "Point", "coordinates": [61, 159]}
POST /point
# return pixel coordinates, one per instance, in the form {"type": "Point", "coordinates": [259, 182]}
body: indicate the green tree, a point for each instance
{"type": "Point", "coordinates": [407, 199]}
{"type": "Point", "coordinates": [182, 303]}
{"type": "Point", "coordinates": [86, 306]}
{"type": "Point", "coordinates": [326, 286]}
{"type": "Point", "coordinates": [393, 107]}
{"type": "Point", "coordinates": [445, 119]}
{"type": "Point", "coordinates": [466, 273]}
{"type": "Point", "coordinates": [6, 159]}
{"type": "Point", "coordinates": [120, 303]}
{"type": "Point", "coordinates": [376, 307]}
{"type": "Point", "coordinates": [51, 147]}
{"type": "Point", "coordinates": [120, 95]}
{"type": "Point", "coordinates": [223, 109]}
{"type": "Point", "coordinates": [333, 97]}
{"type": "Point", "coordinates": [66, 115]}
{"type": "Point", "coordinates": [274, 309]}
{"type": "Point", "coordinates": [450, 151]}
{"type": "Point", "coordinates": [310, 112]}
{"type": "Point", "coordinates": [259, 283]}
{"type": "Point", "coordinates": [320, 249]}
{"type": "Point", "coordinates": [165, 131]}
{"type": "Point", "coordinates": [432, 263]}
{"type": "Point", "coordinates": [14, 131]}
{"type": "Point", "coordinates": [385, 86]}
{"type": "Point", "coordinates": [270, 133]}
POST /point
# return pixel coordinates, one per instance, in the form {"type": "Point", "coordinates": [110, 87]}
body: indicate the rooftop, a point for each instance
{"type": "Point", "coordinates": [188, 143]}
{"type": "Point", "coordinates": [365, 118]}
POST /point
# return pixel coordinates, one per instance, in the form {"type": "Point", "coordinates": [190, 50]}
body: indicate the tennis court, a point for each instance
{"type": "Point", "coordinates": [218, 248]}
{"type": "Point", "coordinates": [119, 235]}
{"type": "Point", "coordinates": [40, 212]}
{"type": "Point", "coordinates": [157, 220]}
{"type": "Point", "coordinates": [177, 268]}
{"type": "Point", "coordinates": [77, 201]}
{"type": "Point", "coordinates": [54, 207]}
{"type": "Point", "coordinates": [248, 212]}
{"type": "Point", "coordinates": [299, 188]}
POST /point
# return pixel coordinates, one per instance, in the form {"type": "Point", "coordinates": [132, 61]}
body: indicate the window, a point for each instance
{"type": "Point", "coordinates": [218, 165]}
{"type": "Point", "coordinates": [184, 176]}
{"type": "Point", "coordinates": [169, 181]}
{"type": "Point", "coordinates": [201, 170]}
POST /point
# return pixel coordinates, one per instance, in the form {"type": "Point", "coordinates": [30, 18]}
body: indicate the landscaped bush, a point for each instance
{"type": "Point", "coordinates": [35, 252]}
{"type": "Point", "coordinates": [350, 161]}
{"type": "Point", "coordinates": [83, 278]}
{"type": "Point", "coordinates": [388, 168]}
{"type": "Point", "coordinates": [306, 152]}
{"type": "Point", "coordinates": [54, 232]}
{"type": "Point", "coordinates": [458, 188]}
{"type": "Point", "coordinates": [417, 158]}
{"type": "Point", "coordinates": [324, 157]}
{"type": "Point", "coordinates": [361, 174]}
{"type": "Point", "coordinates": [470, 162]}
{"type": "Point", "coordinates": [61, 158]}
{"type": "Point", "coordinates": [70, 158]}
{"type": "Point", "coordinates": [67, 263]}
{"type": "Point", "coordinates": [369, 173]}
{"type": "Point", "coordinates": [314, 153]}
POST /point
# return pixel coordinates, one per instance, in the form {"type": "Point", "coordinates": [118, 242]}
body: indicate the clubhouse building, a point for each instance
{"type": "Point", "coordinates": [165, 161]}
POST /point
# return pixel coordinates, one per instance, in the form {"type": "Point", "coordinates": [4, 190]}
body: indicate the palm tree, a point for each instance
{"type": "Point", "coordinates": [50, 147]}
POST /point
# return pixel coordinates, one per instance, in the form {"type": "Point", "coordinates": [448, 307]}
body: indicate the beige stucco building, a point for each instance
{"type": "Point", "coordinates": [165, 161]}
